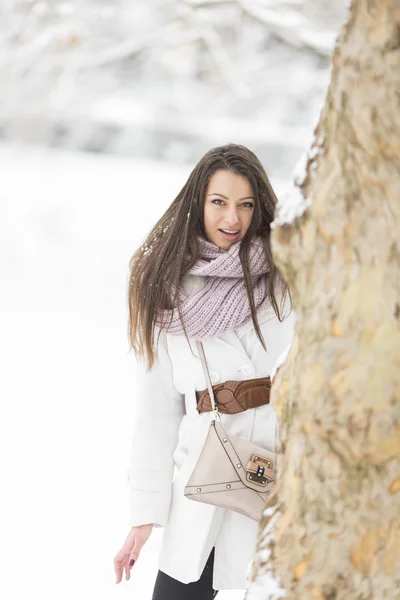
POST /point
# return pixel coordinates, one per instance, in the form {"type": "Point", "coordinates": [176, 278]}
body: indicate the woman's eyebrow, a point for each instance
{"type": "Point", "coordinates": [240, 199]}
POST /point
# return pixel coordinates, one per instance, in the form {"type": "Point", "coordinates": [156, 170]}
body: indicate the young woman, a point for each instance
{"type": "Point", "coordinates": [204, 273]}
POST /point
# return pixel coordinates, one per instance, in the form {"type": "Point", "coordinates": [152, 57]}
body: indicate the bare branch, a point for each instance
{"type": "Point", "coordinates": [291, 27]}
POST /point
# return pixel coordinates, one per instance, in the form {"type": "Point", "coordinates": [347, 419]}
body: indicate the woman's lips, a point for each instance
{"type": "Point", "coordinates": [229, 236]}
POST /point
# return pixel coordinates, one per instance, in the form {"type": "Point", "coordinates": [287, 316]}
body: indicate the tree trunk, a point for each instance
{"type": "Point", "coordinates": [332, 526]}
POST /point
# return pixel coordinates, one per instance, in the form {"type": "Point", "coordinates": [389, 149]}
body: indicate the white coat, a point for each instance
{"type": "Point", "coordinates": [169, 435]}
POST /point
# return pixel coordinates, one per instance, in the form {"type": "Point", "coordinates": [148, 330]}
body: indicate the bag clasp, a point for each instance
{"type": "Point", "coordinates": [259, 470]}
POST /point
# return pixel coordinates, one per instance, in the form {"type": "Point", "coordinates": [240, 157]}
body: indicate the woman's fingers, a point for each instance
{"type": "Point", "coordinates": [127, 570]}
{"type": "Point", "coordinates": [133, 556]}
{"type": "Point", "coordinates": [118, 571]}
{"type": "Point", "coordinates": [129, 553]}
{"type": "Point", "coordinates": [120, 561]}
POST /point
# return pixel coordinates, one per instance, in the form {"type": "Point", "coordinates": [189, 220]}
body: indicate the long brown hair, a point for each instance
{"type": "Point", "coordinates": [172, 247]}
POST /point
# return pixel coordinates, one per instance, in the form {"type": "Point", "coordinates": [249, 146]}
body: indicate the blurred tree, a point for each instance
{"type": "Point", "coordinates": [166, 79]}
{"type": "Point", "coordinates": [332, 528]}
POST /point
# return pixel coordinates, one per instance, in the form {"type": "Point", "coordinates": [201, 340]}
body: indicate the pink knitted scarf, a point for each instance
{"type": "Point", "coordinates": [222, 304]}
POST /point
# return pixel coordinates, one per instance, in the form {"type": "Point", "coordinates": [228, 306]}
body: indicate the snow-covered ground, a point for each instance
{"type": "Point", "coordinates": [68, 226]}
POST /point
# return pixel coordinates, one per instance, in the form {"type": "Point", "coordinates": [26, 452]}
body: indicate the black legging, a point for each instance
{"type": "Point", "coordinates": [167, 588]}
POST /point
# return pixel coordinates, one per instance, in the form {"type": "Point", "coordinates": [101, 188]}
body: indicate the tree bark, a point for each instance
{"type": "Point", "coordinates": [332, 527]}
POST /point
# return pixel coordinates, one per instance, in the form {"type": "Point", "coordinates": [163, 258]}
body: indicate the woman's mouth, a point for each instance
{"type": "Point", "coordinates": [230, 234]}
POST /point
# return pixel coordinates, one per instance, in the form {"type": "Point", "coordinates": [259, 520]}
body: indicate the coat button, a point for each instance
{"type": "Point", "coordinates": [247, 369]}
{"type": "Point", "coordinates": [215, 377]}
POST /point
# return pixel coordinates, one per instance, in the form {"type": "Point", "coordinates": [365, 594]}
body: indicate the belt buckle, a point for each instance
{"type": "Point", "coordinates": [259, 470]}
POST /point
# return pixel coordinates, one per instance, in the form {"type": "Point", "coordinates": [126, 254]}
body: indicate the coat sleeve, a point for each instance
{"type": "Point", "coordinates": [159, 411]}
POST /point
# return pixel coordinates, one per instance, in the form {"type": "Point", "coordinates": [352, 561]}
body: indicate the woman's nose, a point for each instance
{"type": "Point", "coordinates": [232, 217]}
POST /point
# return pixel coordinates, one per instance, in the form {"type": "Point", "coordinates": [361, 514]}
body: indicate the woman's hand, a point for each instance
{"type": "Point", "coordinates": [129, 553]}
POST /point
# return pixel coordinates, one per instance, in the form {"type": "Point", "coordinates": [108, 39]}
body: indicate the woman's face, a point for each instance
{"type": "Point", "coordinates": [228, 208]}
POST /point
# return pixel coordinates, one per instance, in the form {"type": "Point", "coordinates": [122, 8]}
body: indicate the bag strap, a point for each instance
{"type": "Point", "coordinates": [207, 376]}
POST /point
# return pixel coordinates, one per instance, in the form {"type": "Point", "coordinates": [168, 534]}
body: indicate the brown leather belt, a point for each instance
{"type": "Point", "coordinates": [233, 397]}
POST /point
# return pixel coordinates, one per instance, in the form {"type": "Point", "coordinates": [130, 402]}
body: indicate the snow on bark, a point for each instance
{"type": "Point", "coordinates": [267, 586]}
{"type": "Point", "coordinates": [293, 203]}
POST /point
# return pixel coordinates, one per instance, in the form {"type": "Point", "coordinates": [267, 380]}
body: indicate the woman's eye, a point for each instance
{"type": "Point", "coordinates": [219, 202]}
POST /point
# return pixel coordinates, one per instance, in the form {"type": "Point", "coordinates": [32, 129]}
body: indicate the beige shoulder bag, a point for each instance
{"type": "Point", "coordinates": [231, 472]}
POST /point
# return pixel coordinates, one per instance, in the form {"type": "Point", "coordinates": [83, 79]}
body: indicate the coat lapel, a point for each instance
{"type": "Point", "coordinates": [229, 340]}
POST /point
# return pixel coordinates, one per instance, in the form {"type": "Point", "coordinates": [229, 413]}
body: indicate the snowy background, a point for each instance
{"type": "Point", "coordinates": [104, 110]}
{"type": "Point", "coordinates": [68, 224]}
{"type": "Point", "coordinates": [166, 79]}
